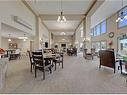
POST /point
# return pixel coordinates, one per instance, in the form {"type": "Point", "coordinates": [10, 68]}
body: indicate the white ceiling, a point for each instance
{"type": "Point", "coordinates": [53, 6]}
{"type": "Point", "coordinates": [66, 33]}
{"type": "Point", "coordinates": [108, 8]}
{"type": "Point", "coordinates": [49, 10]}
{"type": "Point", "coordinates": [54, 25]}
{"type": "Point", "coordinates": [14, 33]}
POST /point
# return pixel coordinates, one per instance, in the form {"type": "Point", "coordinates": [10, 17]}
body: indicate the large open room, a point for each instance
{"type": "Point", "coordinates": [63, 47]}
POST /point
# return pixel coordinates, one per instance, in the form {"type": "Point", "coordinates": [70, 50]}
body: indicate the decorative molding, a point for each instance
{"type": "Point", "coordinates": [28, 6]}
{"type": "Point", "coordinates": [94, 2]}
{"type": "Point", "coordinates": [22, 22]}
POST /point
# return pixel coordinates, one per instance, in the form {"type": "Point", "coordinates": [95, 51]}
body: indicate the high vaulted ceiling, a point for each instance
{"type": "Point", "coordinates": [48, 10]}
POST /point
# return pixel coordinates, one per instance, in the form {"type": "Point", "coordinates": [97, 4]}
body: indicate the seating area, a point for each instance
{"type": "Point", "coordinates": [72, 51]}
{"type": "Point", "coordinates": [63, 46]}
{"type": "Point", "coordinates": [43, 60]}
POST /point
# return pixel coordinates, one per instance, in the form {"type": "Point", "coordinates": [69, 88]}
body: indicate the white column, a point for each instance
{"type": "Point", "coordinates": [36, 38]}
{"type": "Point", "coordinates": [88, 32]}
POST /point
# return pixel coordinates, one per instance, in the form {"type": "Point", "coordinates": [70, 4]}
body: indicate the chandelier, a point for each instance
{"type": "Point", "coordinates": [122, 15]}
{"type": "Point", "coordinates": [61, 17]}
{"type": "Point", "coordinates": [9, 39]}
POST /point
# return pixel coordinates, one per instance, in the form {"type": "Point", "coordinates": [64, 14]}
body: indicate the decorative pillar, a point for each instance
{"type": "Point", "coordinates": [84, 33]}
{"type": "Point", "coordinates": [36, 38]}
{"type": "Point", "coordinates": [88, 32]}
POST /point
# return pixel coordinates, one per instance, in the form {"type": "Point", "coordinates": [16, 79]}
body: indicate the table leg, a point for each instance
{"type": "Point", "coordinates": [120, 63]}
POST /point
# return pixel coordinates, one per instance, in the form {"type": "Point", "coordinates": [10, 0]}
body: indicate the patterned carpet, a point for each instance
{"type": "Point", "coordinates": [78, 76]}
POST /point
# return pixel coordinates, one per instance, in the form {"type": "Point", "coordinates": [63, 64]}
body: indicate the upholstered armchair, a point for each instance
{"type": "Point", "coordinates": [107, 58]}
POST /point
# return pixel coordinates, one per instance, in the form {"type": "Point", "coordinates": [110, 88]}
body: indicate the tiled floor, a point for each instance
{"type": "Point", "coordinates": [78, 76]}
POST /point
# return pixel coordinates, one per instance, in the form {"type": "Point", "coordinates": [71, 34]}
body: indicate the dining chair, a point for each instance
{"type": "Point", "coordinates": [107, 58]}
{"type": "Point", "coordinates": [87, 55]}
{"type": "Point", "coordinates": [32, 64]}
{"type": "Point", "coordinates": [40, 64]}
{"type": "Point", "coordinates": [58, 60]}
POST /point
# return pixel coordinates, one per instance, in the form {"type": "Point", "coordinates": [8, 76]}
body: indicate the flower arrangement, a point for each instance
{"type": "Point", "coordinates": [110, 44]}
{"type": "Point", "coordinates": [2, 51]}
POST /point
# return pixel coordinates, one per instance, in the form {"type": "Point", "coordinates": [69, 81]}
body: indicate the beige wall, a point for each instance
{"type": "Point", "coordinates": [111, 27]}
{"type": "Point", "coordinates": [23, 45]}
{"type": "Point", "coordinates": [58, 40]}
{"type": "Point", "coordinates": [9, 9]}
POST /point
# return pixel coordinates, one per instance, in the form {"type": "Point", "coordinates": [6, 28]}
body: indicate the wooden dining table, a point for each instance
{"type": "Point", "coordinates": [50, 57]}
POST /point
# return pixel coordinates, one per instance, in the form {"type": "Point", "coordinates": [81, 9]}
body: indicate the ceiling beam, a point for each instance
{"type": "Point", "coordinates": [28, 6]}
{"type": "Point", "coordinates": [91, 6]}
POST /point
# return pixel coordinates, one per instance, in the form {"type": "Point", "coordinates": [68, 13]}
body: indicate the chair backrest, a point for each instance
{"type": "Point", "coordinates": [85, 51]}
{"type": "Point", "coordinates": [38, 58]}
{"type": "Point", "coordinates": [107, 58]}
{"type": "Point", "coordinates": [93, 50]}
{"type": "Point", "coordinates": [30, 56]}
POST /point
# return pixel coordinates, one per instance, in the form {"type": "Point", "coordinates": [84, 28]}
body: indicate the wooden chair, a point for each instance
{"type": "Point", "coordinates": [107, 58]}
{"type": "Point", "coordinates": [87, 55]}
{"type": "Point", "coordinates": [32, 64]}
{"type": "Point", "coordinates": [58, 60]}
{"type": "Point", "coordinates": [40, 64]}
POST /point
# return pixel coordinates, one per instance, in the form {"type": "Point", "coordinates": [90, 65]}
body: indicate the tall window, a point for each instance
{"type": "Point", "coordinates": [94, 32]}
{"type": "Point", "coordinates": [124, 22]}
{"type": "Point", "coordinates": [98, 29]}
{"type": "Point", "coordinates": [103, 27]}
{"type": "Point", "coordinates": [101, 45]}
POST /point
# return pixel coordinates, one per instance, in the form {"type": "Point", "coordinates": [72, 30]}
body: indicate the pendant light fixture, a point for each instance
{"type": "Point", "coordinates": [9, 39]}
{"type": "Point", "coordinates": [24, 38]}
{"type": "Point", "coordinates": [122, 15]}
{"type": "Point", "coordinates": [61, 17]}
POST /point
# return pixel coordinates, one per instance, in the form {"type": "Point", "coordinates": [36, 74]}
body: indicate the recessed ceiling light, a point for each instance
{"type": "Point", "coordinates": [63, 39]}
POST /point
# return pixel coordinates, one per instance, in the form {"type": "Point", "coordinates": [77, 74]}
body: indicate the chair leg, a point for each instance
{"type": "Point", "coordinates": [55, 66]}
{"type": "Point", "coordinates": [114, 70]}
{"type": "Point", "coordinates": [31, 68]}
{"type": "Point", "coordinates": [50, 69]}
{"type": "Point", "coordinates": [35, 72]}
{"type": "Point", "coordinates": [62, 65]}
{"type": "Point", "coordinates": [44, 75]}
{"type": "Point", "coordinates": [118, 67]}
{"type": "Point", "coordinates": [99, 66]}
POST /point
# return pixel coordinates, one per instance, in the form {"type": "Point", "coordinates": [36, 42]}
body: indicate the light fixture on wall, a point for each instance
{"type": "Point", "coordinates": [61, 17]}
{"type": "Point", "coordinates": [9, 39]}
{"type": "Point", "coordinates": [122, 15]}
